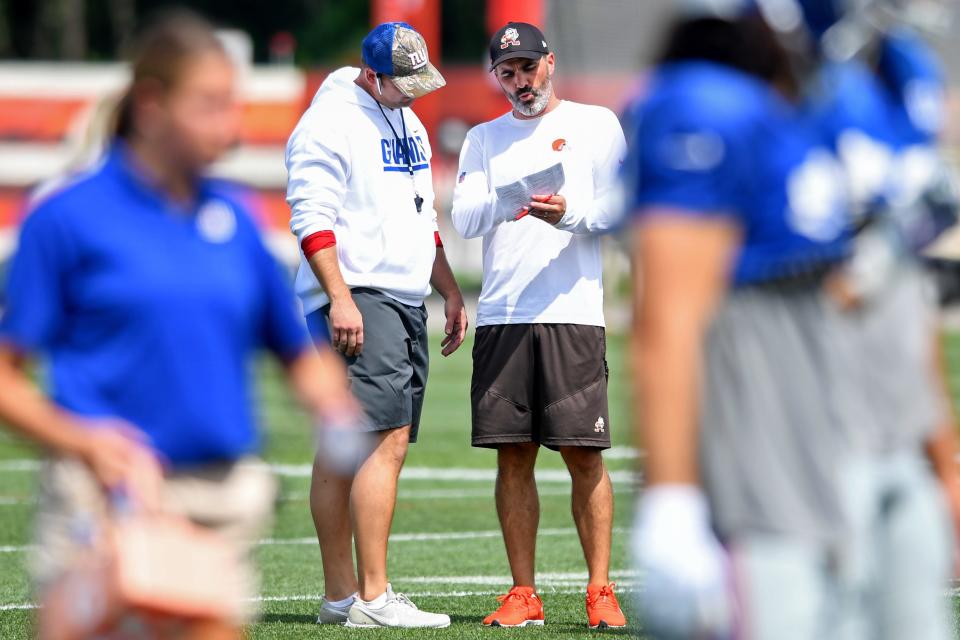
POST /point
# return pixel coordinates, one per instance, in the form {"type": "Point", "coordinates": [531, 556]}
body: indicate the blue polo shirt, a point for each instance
{"type": "Point", "coordinates": [151, 311]}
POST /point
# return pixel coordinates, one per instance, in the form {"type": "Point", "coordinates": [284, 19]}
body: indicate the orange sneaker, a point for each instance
{"type": "Point", "coordinates": [521, 606]}
{"type": "Point", "coordinates": [603, 610]}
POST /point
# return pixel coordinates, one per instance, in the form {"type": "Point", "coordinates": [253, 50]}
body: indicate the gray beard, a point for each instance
{"type": "Point", "coordinates": [540, 99]}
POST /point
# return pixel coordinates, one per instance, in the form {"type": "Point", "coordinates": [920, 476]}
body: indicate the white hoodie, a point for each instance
{"type": "Point", "coordinates": [347, 174]}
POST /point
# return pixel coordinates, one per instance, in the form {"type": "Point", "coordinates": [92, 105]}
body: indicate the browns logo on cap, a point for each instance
{"type": "Point", "coordinates": [517, 40]}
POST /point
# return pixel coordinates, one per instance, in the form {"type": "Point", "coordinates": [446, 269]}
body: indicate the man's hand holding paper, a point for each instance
{"type": "Point", "coordinates": [536, 194]}
{"type": "Point", "coordinates": [549, 208]}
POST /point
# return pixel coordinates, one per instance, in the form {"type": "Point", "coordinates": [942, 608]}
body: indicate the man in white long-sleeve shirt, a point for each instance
{"type": "Point", "coordinates": [361, 196]}
{"type": "Point", "coordinates": [540, 375]}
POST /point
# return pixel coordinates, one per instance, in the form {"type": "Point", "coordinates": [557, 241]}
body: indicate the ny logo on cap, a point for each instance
{"type": "Point", "coordinates": [417, 58]}
{"type": "Point", "coordinates": [510, 37]}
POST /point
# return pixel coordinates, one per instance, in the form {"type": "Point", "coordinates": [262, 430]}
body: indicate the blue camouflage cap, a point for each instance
{"type": "Point", "coordinates": [395, 49]}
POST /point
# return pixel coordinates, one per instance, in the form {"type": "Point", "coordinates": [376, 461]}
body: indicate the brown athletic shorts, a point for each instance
{"type": "Point", "coordinates": [543, 383]}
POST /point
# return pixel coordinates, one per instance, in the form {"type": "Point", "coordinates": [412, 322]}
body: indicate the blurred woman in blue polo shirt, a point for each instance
{"type": "Point", "coordinates": [148, 291]}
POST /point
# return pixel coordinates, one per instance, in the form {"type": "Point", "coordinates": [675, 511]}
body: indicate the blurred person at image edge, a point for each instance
{"type": "Point", "coordinates": [814, 479]}
{"type": "Point", "coordinates": [732, 340]}
{"type": "Point", "coordinates": [147, 290]}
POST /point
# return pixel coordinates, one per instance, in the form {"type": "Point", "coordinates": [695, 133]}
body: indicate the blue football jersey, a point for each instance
{"type": "Point", "coordinates": [709, 140]}
{"type": "Point", "coordinates": [913, 75]}
{"type": "Point", "coordinates": [883, 122]}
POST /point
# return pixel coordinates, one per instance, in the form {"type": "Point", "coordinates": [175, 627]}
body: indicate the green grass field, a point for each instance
{"type": "Point", "coordinates": [447, 554]}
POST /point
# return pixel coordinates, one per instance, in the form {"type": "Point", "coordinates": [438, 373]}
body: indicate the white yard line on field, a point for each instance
{"type": "Point", "coordinates": [15, 548]}
{"type": "Point", "coordinates": [397, 537]}
{"type": "Point", "coordinates": [566, 590]}
{"type": "Point", "coordinates": [413, 494]}
{"type": "Point", "coordinates": [622, 453]}
{"type": "Point", "coordinates": [453, 474]}
{"type": "Point", "coordinates": [457, 474]}
{"type": "Point", "coordinates": [404, 494]}
{"type": "Point", "coordinates": [624, 586]}
{"type": "Point", "coordinates": [554, 583]}
{"type": "Point", "coordinates": [543, 579]}
{"type": "Point", "coordinates": [434, 536]}
{"type": "Point", "coordinates": [436, 494]}
{"type": "Point", "coordinates": [20, 465]}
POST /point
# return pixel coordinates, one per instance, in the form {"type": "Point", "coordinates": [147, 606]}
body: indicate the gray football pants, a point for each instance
{"type": "Point", "coordinates": [897, 564]}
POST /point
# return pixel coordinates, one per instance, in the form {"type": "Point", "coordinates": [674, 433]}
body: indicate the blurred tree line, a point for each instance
{"type": "Point", "coordinates": [324, 31]}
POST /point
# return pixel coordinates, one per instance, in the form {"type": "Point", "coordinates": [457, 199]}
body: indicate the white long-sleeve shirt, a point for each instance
{"type": "Point", "coordinates": [534, 272]}
{"type": "Point", "coordinates": [347, 174]}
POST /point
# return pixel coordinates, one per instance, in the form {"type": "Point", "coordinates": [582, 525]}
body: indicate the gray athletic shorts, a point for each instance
{"type": "Point", "coordinates": [389, 376]}
{"type": "Point", "coordinates": [543, 383]}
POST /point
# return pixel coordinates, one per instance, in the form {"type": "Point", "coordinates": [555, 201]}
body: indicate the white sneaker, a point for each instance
{"type": "Point", "coordinates": [397, 612]}
{"type": "Point", "coordinates": [332, 614]}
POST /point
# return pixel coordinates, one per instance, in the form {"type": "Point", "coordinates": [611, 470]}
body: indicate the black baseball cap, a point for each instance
{"type": "Point", "coordinates": [517, 40]}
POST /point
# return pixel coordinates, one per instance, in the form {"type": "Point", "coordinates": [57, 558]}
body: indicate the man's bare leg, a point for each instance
{"type": "Point", "coordinates": [592, 506]}
{"type": "Point", "coordinates": [372, 504]}
{"type": "Point", "coordinates": [518, 507]}
{"type": "Point", "coordinates": [330, 507]}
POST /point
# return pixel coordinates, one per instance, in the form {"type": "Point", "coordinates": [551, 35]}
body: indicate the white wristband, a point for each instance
{"type": "Point", "coordinates": [678, 505]}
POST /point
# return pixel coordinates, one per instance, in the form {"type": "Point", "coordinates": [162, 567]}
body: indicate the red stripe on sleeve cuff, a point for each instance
{"type": "Point", "coordinates": [317, 241]}
{"type": "Point", "coordinates": [436, 238]}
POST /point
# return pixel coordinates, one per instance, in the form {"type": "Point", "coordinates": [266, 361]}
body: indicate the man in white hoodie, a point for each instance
{"type": "Point", "coordinates": [361, 195]}
{"type": "Point", "coordinates": [539, 373]}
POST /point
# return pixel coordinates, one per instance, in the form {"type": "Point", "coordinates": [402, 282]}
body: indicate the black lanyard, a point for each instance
{"type": "Point", "coordinates": [405, 147]}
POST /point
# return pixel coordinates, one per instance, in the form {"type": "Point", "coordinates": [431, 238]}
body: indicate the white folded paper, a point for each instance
{"type": "Point", "coordinates": [517, 195]}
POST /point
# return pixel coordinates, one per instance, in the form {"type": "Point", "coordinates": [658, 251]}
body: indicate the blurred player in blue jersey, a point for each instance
{"type": "Point", "coordinates": [878, 97]}
{"type": "Point", "coordinates": [739, 216]}
{"type": "Point", "coordinates": [782, 383]}
{"type": "Point", "coordinates": [147, 289]}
